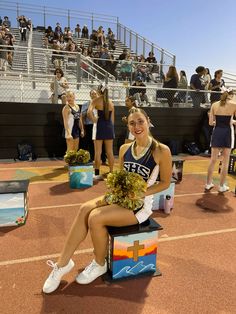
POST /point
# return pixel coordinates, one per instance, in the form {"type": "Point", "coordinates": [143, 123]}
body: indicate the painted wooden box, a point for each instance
{"type": "Point", "coordinates": [177, 169]}
{"type": "Point", "coordinates": [159, 198]}
{"type": "Point", "coordinates": [81, 176]}
{"type": "Point", "coordinates": [133, 250]}
{"type": "Point", "coordinates": [13, 202]}
{"type": "Point", "coordinates": [232, 164]}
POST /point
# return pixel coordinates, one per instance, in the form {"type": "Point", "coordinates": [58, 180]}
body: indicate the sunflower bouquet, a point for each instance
{"type": "Point", "coordinates": [74, 158]}
{"type": "Point", "coordinates": [126, 189]}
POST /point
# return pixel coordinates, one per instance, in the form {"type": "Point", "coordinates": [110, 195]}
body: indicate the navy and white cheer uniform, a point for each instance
{"type": "Point", "coordinates": [223, 132]}
{"type": "Point", "coordinates": [73, 122]}
{"type": "Point", "coordinates": [149, 170]}
{"type": "Point", "coordinates": [103, 129]}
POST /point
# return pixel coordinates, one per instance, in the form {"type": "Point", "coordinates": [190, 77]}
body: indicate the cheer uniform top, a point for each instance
{"type": "Point", "coordinates": [73, 122]}
{"type": "Point", "coordinates": [145, 166]}
{"type": "Point", "coordinates": [103, 129]}
{"type": "Point", "coordinates": [223, 132]}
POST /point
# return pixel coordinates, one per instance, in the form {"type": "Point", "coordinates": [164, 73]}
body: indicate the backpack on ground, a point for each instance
{"type": "Point", "coordinates": [26, 152]}
{"type": "Point", "coordinates": [191, 148]}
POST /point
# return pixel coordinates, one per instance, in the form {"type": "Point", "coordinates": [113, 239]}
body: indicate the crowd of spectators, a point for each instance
{"type": "Point", "coordinates": [98, 47]}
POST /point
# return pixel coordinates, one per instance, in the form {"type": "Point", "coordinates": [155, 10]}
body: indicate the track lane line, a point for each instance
{"type": "Point", "coordinates": [90, 250]}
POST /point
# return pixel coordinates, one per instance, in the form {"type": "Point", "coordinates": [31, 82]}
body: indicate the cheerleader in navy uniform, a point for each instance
{"type": "Point", "coordinates": [222, 140]}
{"type": "Point", "coordinates": [73, 123]}
{"type": "Point", "coordinates": [145, 156]}
{"type": "Point", "coordinates": [103, 126]}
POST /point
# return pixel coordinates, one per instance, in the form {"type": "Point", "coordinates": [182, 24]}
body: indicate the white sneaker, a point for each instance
{"type": "Point", "coordinates": [208, 187]}
{"type": "Point", "coordinates": [91, 272]}
{"type": "Point", "coordinates": [223, 188]}
{"type": "Point", "coordinates": [54, 279]}
{"type": "Point", "coordinates": [97, 177]}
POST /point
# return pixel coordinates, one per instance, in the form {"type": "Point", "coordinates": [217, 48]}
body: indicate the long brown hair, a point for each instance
{"type": "Point", "coordinates": [224, 97]}
{"type": "Point", "coordinates": [172, 73]}
{"type": "Point", "coordinates": [155, 143]}
{"type": "Point", "coordinates": [104, 92]}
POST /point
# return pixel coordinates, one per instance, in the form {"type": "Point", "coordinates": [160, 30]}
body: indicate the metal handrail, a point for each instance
{"type": "Point", "coordinates": [147, 41]}
{"type": "Point", "coordinates": [47, 10]}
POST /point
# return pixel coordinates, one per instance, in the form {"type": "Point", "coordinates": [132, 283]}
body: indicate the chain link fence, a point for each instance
{"type": "Point", "coordinates": [23, 87]}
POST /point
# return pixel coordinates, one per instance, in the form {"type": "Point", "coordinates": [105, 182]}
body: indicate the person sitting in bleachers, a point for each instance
{"type": "Point", "coordinates": [123, 55]}
{"type": "Point", "coordinates": [153, 68]}
{"type": "Point", "coordinates": [93, 38]}
{"type": "Point", "coordinates": [142, 68]}
{"type": "Point", "coordinates": [126, 68]}
{"type": "Point", "coordinates": [6, 22]}
{"type": "Point", "coordinates": [139, 93]}
{"type": "Point", "coordinates": [49, 37]}
{"type": "Point", "coordinates": [58, 30]}
{"type": "Point", "coordinates": [57, 55]}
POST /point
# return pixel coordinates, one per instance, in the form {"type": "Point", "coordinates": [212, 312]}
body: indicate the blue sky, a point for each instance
{"type": "Point", "coordinates": [199, 32]}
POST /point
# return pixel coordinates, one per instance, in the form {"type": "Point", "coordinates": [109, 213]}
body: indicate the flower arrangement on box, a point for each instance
{"type": "Point", "coordinates": [20, 220]}
{"type": "Point", "coordinates": [126, 189]}
{"type": "Point", "coordinates": [74, 158]}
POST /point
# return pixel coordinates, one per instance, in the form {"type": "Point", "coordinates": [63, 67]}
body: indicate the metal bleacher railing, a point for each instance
{"type": "Point", "coordinates": [35, 87]}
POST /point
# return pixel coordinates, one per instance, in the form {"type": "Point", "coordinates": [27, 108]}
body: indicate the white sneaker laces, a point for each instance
{"type": "Point", "coordinates": [54, 266]}
{"type": "Point", "coordinates": [90, 267]}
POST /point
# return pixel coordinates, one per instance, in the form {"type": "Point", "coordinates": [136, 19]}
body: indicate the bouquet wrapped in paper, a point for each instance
{"type": "Point", "coordinates": [126, 189]}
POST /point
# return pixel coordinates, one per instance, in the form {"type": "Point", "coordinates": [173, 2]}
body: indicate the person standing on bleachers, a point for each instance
{"type": "Point", "coordinates": [216, 85]}
{"type": "Point", "coordinates": [77, 31]}
{"type": "Point", "coordinates": [85, 32]}
{"type": "Point", "coordinates": [22, 26]}
{"type": "Point", "coordinates": [197, 84]}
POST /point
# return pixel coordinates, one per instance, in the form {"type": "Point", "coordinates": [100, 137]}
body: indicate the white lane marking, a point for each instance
{"type": "Point", "coordinates": [39, 258]}
{"type": "Point", "coordinates": [192, 194]}
{"type": "Point", "coordinates": [185, 236]}
{"type": "Point", "coordinates": [54, 206]}
{"type": "Point", "coordinates": [60, 167]}
{"type": "Point", "coordinates": [196, 235]}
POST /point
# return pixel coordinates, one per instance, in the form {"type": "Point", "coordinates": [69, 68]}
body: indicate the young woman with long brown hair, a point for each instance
{"type": "Point", "coordinates": [221, 117]}
{"type": "Point", "coordinates": [145, 156]}
{"type": "Point", "coordinates": [104, 126]}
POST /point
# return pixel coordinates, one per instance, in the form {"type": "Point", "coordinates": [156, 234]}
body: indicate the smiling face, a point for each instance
{"type": "Point", "coordinates": [138, 124]}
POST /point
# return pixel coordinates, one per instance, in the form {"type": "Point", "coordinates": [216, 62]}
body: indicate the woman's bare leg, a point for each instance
{"type": "Point", "coordinates": [78, 232]}
{"type": "Point", "coordinates": [75, 144]}
{"type": "Point", "coordinates": [97, 153]}
{"type": "Point", "coordinates": [225, 165]}
{"type": "Point", "coordinates": [109, 152]}
{"type": "Point", "coordinates": [99, 218]}
{"type": "Point", "coordinates": [214, 156]}
{"type": "Point", "coordinates": [69, 144]}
